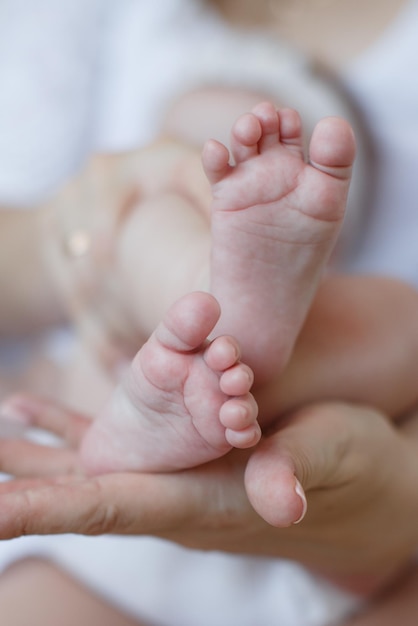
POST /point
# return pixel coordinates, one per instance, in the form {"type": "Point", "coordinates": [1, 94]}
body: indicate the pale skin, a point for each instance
{"type": "Point", "coordinates": [63, 461]}
{"type": "Point", "coordinates": [326, 446]}
{"type": "Point", "coordinates": [166, 238]}
{"type": "Point", "coordinates": [350, 316]}
{"type": "Point", "coordinates": [40, 511]}
{"type": "Point", "coordinates": [184, 401]}
{"type": "Point", "coordinates": [30, 302]}
{"type": "Point", "coordinates": [327, 331]}
{"type": "Point", "coordinates": [274, 222]}
{"type": "Point", "coordinates": [333, 34]}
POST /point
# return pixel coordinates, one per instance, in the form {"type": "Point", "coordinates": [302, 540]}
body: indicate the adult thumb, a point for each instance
{"type": "Point", "coordinates": [306, 453]}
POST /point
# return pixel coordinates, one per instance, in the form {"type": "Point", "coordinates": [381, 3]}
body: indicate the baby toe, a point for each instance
{"type": "Point", "coordinates": [239, 413]}
{"type": "Point", "coordinates": [245, 136]}
{"type": "Point", "coordinates": [244, 438]}
{"type": "Point", "coordinates": [291, 130]}
{"type": "Point", "coordinates": [222, 353]}
{"type": "Point", "coordinates": [237, 380]}
{"type": "Point", "coordinates": [269, 119]}
{"type": "Point", "coordinates": [215, 161]}
{"type": "Point", "coordinates": [332, 148]}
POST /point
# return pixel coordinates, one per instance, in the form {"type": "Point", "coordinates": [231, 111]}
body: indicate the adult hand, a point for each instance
{"type": "Point", "coordinates": [357, 470]}
{"type": "Point", "coordinates": [100, 234]}
{"type": "Point", "coordinates": [81, 226]}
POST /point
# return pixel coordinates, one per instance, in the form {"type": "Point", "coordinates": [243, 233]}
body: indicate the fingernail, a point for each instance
{"type": "Point", "coordinates": [299, 490]}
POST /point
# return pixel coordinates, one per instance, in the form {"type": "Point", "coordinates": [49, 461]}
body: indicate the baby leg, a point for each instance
{"type": "Point", "coordinates": [275, 219]}
{"type": "Point", "coordinates": [184, 401]}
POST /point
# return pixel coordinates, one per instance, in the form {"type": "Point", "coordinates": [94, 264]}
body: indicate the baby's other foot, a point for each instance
{"type": "Point", "coordinates": [184, 401]}
{"type": "Point", "coordinates": [275, 219]}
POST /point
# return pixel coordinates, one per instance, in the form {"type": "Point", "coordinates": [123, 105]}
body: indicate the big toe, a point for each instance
{"type": "Point", "coordinates": [333, 147]}
{"type": "Point", "coordinates": [188, 322]}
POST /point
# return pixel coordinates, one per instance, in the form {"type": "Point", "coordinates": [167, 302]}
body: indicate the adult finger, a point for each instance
{"type": "Point", "coordinates": [47, 414]}
{"type": "Point", "coordinates": [189, 507]}
{"type": "Point", "coordinates": [19, 458]}
{"type": "Point", "coordinates": [105, 504]}
{"type": "Point", "coordinates": [321, 447]}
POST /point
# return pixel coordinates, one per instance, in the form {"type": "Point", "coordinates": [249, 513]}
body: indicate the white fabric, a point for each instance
{"type": "Point", "coordinates": [48, 56]}
{"type": "Point", "coordinates": [84, 75]}
{"type": "Point", "coordinates": [100, 75]}
{"type": "Point", "coordinates": [383, 83]}
{"type": "Point", "coordinates": [166, 584]}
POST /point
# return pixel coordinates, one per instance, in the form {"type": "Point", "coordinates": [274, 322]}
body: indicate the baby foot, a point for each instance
{"type": "Point", "coordinates": [275, 219]}
{"type": "Point", "coordinates": [184, 401]}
